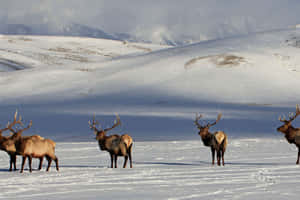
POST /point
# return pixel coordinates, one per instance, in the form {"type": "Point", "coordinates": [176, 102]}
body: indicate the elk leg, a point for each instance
{"type": "Point", "coordinates": [125, 161]}
{"type": "Point", "coordinates": [10, 165]}
{"type": "Point", "coordinates": [116, 161]}
{"type": "Point", "coordinates": [30, 163]}
{"type": "Point", "coordinates": [10, 162]}
{"type": "Point", "coordinates": [223, 152]}
{"type": "Point", "coordinates": [56, 163]}
{"type": "Point", "coordinates": [49, 163]}
{"type": "Point", "coordinates": [23, 163]}
{"type": "Point", "coordinates": [219, 157]}
{"type": "Point", "coordinates": [41, 163]}
{"type": "Point", "coordinates": [129, 154]}
{"type": "Point", "coordinates": [15, 161]}
{"type": "Point", "coordinates": [111, 160]}
{"type": "Point", "coordinates": [213, 155]}
{"type": "Point", "coordinates": [298, 156]}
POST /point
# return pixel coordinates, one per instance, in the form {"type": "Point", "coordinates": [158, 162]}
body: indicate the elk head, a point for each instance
{"type": "Point", "coordinates": [99, 132]}
{"type": "Point", "coordinates": [288, 123]}
{"type": "Point", "coordinates": [203, 129]}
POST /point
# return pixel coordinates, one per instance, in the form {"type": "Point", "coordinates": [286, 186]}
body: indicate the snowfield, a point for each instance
{"type": "Point", "coordinates": [60, 82]}
{"type": "Point", "coordinates": [257, 168]}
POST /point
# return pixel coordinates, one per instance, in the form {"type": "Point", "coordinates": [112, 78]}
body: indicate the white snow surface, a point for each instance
{"type": "Point", "coordinates": [256, 168]}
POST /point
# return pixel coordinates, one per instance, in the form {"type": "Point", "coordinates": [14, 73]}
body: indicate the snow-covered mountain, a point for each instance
{"type": "Point", "coordinates": [163, 22]}
{"type": "Point", "coordinates": [156, 89]}
{"type": "Point", "coordinates": [72, 29]}
{"type": "Point", "coordinates": [79, 30]}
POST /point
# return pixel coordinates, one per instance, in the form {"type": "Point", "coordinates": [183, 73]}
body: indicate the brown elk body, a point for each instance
{"type": "Point", "coordinates": [291, 134]}
{"type": "Point", "coordinates": [116, 145]}
{"type": "Point", "coordinates": [216, 141]}
{"type": "Point", "coordinates": [36, 147]}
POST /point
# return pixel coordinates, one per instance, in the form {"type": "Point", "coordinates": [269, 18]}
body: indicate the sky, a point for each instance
{"type": "Point", "coordinates": [157, 19]}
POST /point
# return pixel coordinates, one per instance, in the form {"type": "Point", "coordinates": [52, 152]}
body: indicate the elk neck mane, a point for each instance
{"type": "Point", "coordinates": [207, 138]}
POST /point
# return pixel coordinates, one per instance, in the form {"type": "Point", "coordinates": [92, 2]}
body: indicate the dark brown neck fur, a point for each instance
{"type": "Point", "coordinates": [207, 139]}
{"type": "Point", "coordinates": [290, 134]}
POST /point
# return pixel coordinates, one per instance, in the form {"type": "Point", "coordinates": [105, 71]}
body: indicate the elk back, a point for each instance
{"type": "Point", "coordinates": [36, 147]}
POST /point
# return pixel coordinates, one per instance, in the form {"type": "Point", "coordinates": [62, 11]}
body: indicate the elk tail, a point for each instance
{"type": "Point", "coordinates": [221, 138]}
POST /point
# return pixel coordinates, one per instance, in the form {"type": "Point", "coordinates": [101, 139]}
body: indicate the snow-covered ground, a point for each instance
{"type": "Point", "coordinates": [257, 168]}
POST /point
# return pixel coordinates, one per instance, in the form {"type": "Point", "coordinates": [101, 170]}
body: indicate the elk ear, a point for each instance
{"type": "Point", "coordinates": [10, 133]}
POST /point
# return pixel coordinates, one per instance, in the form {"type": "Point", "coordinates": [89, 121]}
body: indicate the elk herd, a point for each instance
{"type": "Point", "coordinates": [35, 146]}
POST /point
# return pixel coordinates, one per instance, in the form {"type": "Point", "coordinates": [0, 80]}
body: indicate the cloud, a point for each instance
{"type": "Point", "coordinates": [153, 20]}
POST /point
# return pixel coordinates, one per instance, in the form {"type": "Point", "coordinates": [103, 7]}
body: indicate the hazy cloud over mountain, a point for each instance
{"type": "Point", "coordinates": [156, 20]}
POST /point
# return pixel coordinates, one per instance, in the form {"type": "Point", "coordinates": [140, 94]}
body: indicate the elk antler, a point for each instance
{"type": "Point", "coordinates": [292, 116]}
{"type": "Point", "coordinates": [93, 125]}
{"type": "Point", "coordinates": [10, 125]}
{"type": "Point", "coordinates": [26, 128]}
{"type": "Point", "coordinates": [20, 131]}
{"type": "Point", "coordinates": [116, 123]}
{"type": "Point", "coordinates": [218, 119]}
{"type": "Point", "coordinates": [282, 120]}
{"type": "Point", "coordinates": [4, 129]}
{"type": "Point", "coordinates": [196, 121]}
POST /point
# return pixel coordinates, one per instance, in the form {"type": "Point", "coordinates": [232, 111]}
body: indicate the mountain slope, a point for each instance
{"type": "Point", "coordinates": [249, 79]}
{"type": "Point", "coordinates": [71, 29]}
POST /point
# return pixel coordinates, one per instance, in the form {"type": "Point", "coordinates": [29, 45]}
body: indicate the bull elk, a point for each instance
{"type": "Point", "coordinates": [216, 141]}
{"type": "Point", "coordinates": [291, 134]}
{"type": "Point", "coordinates": [115, 144]}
